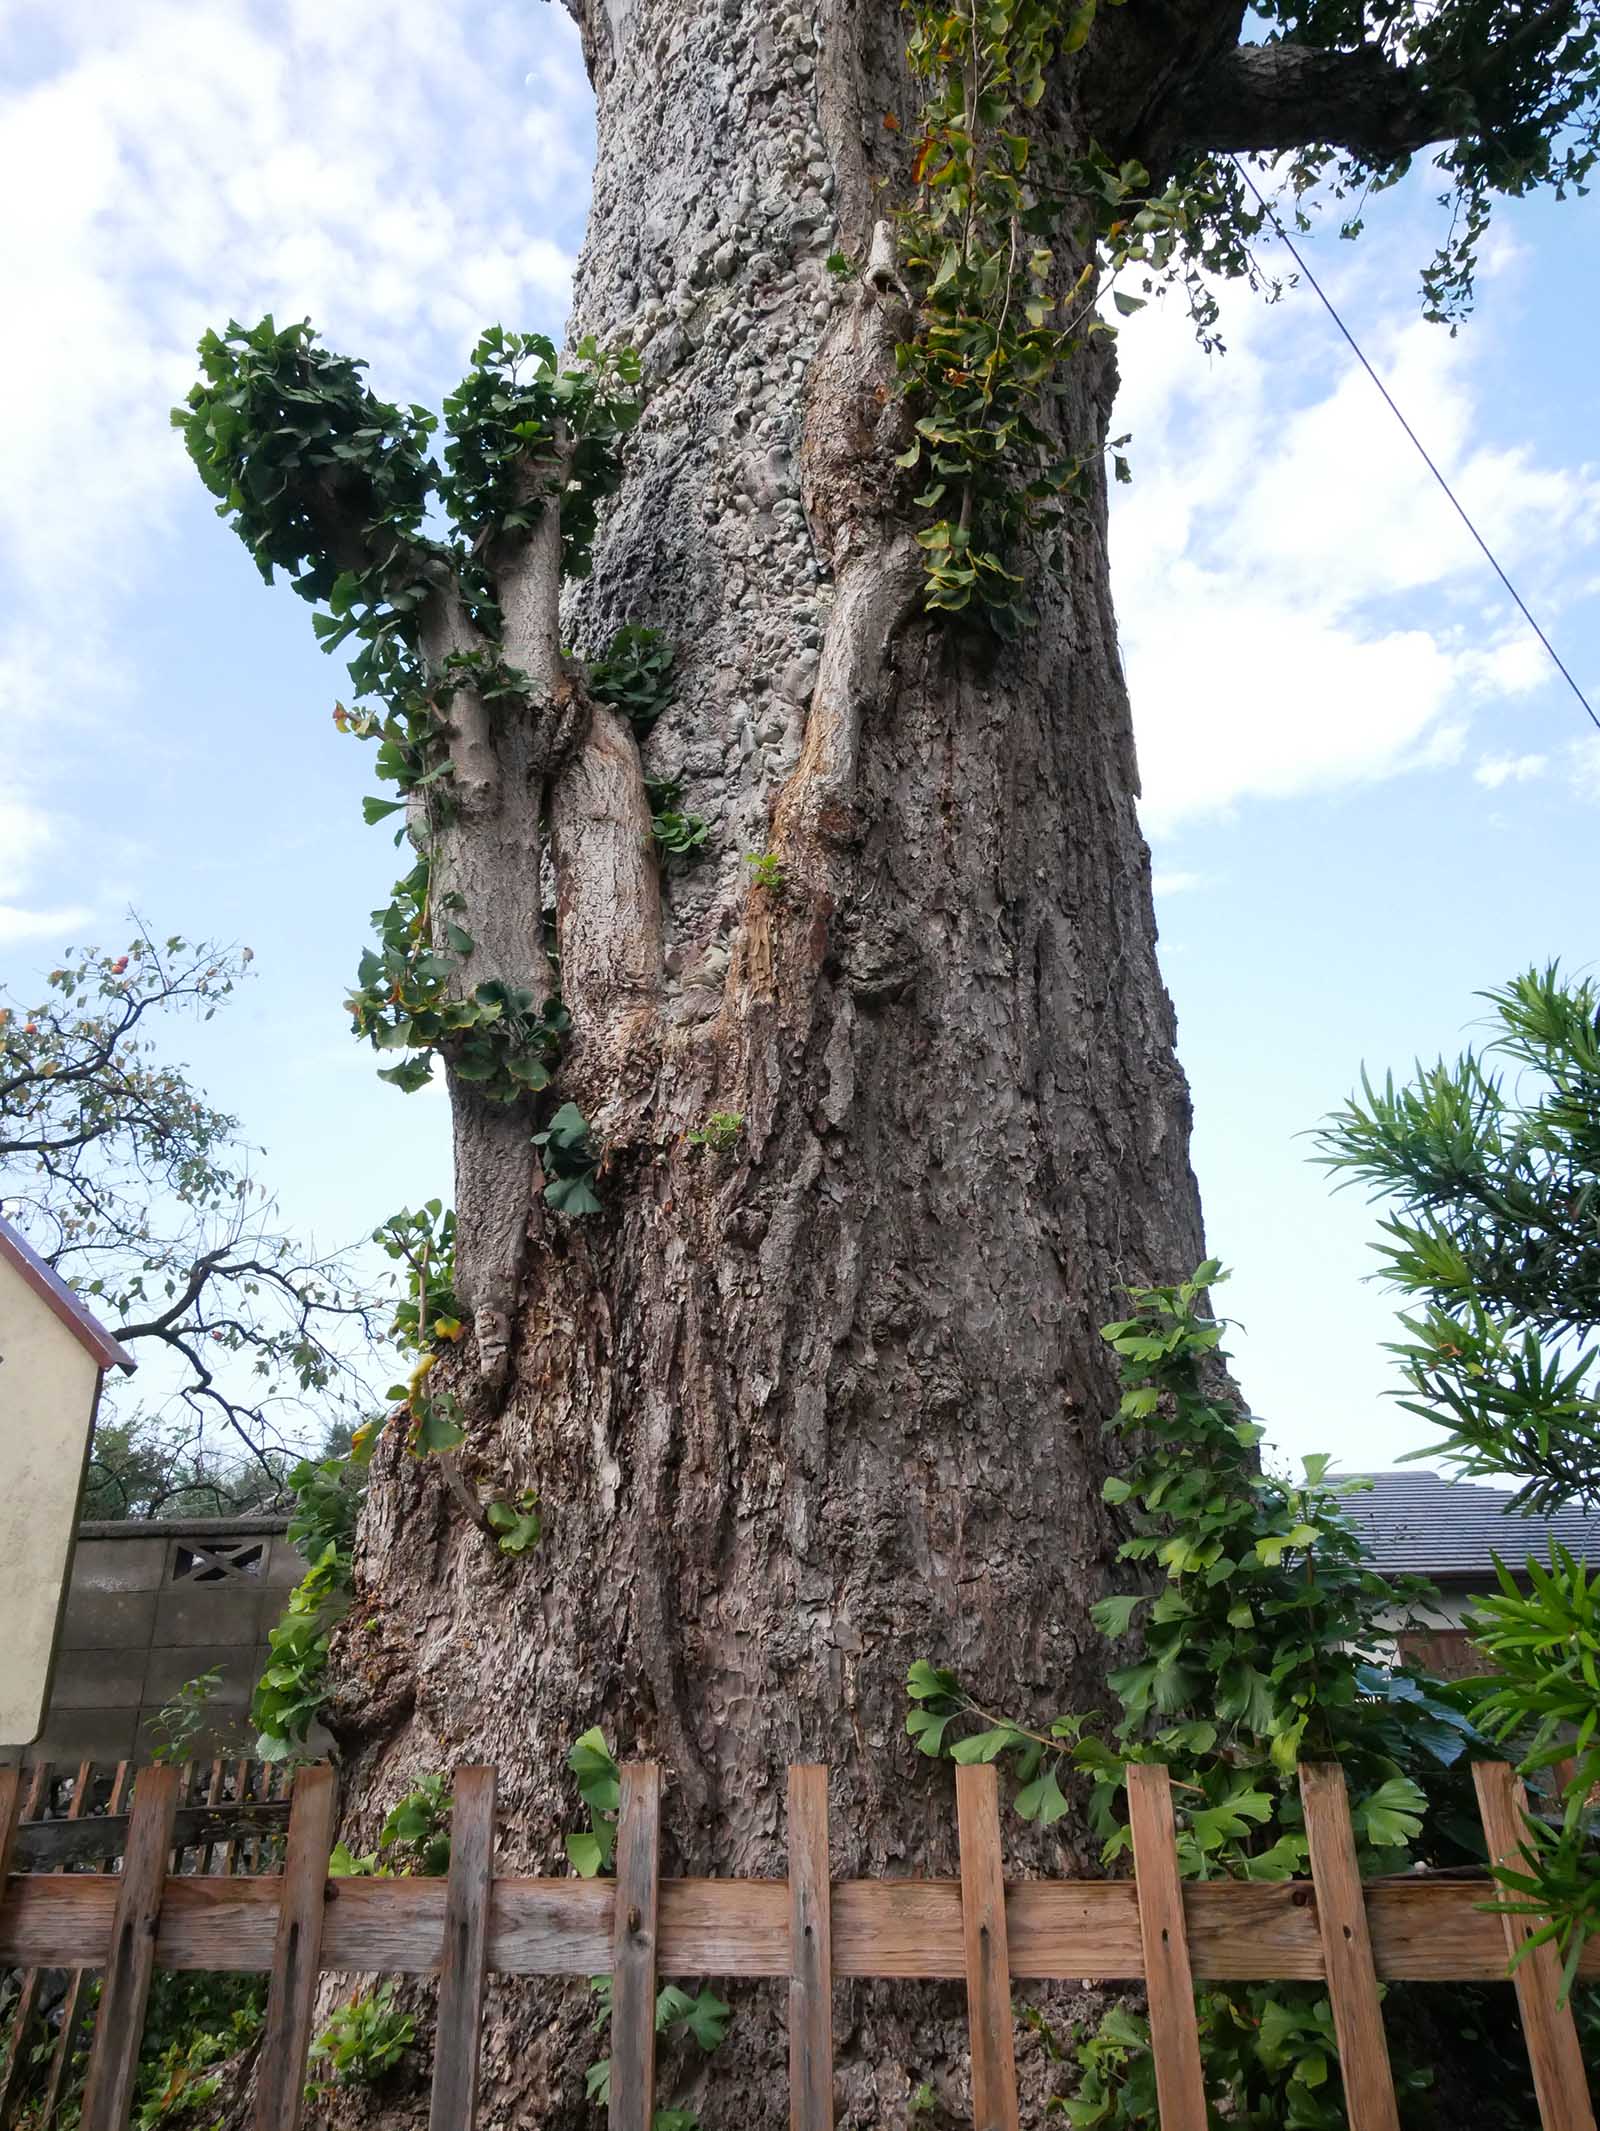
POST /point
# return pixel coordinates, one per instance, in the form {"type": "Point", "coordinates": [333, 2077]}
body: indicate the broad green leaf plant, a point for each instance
{"type": "Point", "coordinates": [1263, 1640]}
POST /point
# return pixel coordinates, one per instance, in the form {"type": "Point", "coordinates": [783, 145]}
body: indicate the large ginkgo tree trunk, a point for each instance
{"type": "Point", "coordinates": [885, 1084]}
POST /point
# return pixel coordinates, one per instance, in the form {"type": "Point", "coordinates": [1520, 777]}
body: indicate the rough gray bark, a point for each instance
{"type": "Point", "coordinates": [809, 1409]}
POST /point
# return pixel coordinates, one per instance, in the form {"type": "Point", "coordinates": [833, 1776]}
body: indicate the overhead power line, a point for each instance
{"type": "Point", "coordinates": [1422, 452]}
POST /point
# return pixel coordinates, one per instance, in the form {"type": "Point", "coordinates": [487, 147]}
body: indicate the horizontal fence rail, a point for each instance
{"type": "Point", "coordinates": [65, 1818]}
{"type": "Point", "coordinates": [805, 1929]}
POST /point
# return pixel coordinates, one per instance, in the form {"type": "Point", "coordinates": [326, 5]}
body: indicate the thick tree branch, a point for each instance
{"type": "Point", "coordinates": [1269, 97]}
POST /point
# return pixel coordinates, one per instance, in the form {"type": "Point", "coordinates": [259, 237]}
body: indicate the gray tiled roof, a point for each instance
{"type": "Point", "coordinates": [1421, 1524]}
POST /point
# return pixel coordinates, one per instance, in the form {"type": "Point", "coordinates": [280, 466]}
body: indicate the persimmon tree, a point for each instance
{"type": "Point", "coordinates": [776, 910]}
{"type": "Point", "coordinates": [141, 1194]}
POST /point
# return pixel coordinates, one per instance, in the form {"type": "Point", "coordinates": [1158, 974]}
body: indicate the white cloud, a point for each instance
{"type": "Point", "coordinates": [17, 926]}
{"type": "Point", "coordinates": [1496, 770]}
{"type": "Point", "coordinates": [27, 833]}
{"type": "Point", "coordinates": [189, 161]}
{"type": "Point", "coordinates": [1301, 609]}
{"type": "Point", "coordinates": [1162, 883]}
{"type": "Point", "coordinates": [382, 165]}
{"type": "Point", "coordinates": [1584, 757]}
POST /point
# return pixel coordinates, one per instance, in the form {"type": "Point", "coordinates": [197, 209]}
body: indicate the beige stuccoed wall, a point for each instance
{"type": "Point", "coordinates": [48, 1383]}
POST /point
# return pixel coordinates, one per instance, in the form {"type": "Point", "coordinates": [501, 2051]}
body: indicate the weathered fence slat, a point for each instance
{"type": "Point", "coordinates": [119, 2025]}
{"type": "Point", "coordinates": [181, 1841]}
{"type": "Point", "coordinates": [468, 1898]}
{"type": "Point", "coordinates": [983, 1926]}
{"type": "Point", "coordinates": [1547, 2024]}
{"type": "Point", "coordinates": [27, 1999]}
{"type": "Point", "coordinates": [296, 1952]}
{"type": "Point", "coordinates": [72, 2003]}
{"type": "Point", "coordinates": [213, 1799]}
{"type": "Point", "coordinates": [10, 1816]}
{"type": "Point", "coordinates": [241, 1791]}
{"type": "Point", "coordinates": [50, 1845]}
{"type": "Point", "coordinates": [1174, 2034]}
{"type": "Point", "coordinates": [21, 2017]}
{"type": "Point", "coordinates": [1347, 1950]}
{"type": "Point", "coordinates": [11, 1810]}
{"type": "Point", "coordinates": [810, 1954]}
{"type": "Point", "coordinates": [633, 1949]}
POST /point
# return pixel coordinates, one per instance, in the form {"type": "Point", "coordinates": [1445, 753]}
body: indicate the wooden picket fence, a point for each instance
{"type": "Point", "coordinates": [232, 1814]}
{"type": "Point", "coordinates": [807, 1929]}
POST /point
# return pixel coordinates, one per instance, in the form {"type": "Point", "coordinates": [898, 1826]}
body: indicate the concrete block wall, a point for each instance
{"type": "Point", "coordinates": [150, 1607]}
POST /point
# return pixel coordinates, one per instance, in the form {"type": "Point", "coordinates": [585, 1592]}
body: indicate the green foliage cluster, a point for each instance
{"type": "Point", "coordinates": [1496, 1182]}
{"type": "Point", "coordinates": [1494, 1177]}
{"type": "Point", "coordinates": [361, 2045]}
{"type": "Point", "coordinates": [634, 675]}
{"type": "Point", "coordinates": [1264, 1643]}
{"type": "Point", "coordinates": [322, 479]}
{"type": "Point", "coordinates": [719, 1134]}
{"type": "Point", "coordinates": [423, 1240]}
{"type": "Point", "coordinates": [1519, 90]}
{"type": "Point", "coordinates": [681, 839]}
{"type": "Point", "coordinates": [995, 325]}
{"type": "Point", "coordinates": [279, 427]}
{"type": "Point", "coordinates": [407, 997]}
{"type": "Point", "coordinates": [290, 1693]}
{"type": "Point", "coordinates": [427, 1320]}
{"type": "Point", "coordinates": [1543, 1698]}
{"type": "Point", "coordinates": [517, 1524]}
{"type": "Point", "coordinates": [522, 426]}
{"type": "Point", "coordinates": [413, 1843]}
{"type": "Point", "coordinates": [1510, 91]}
{"type": "Point", "coordinates": [194, 2023]}
{"type": "Point", "coordinates": [180, 1721]}
{"type": "Point", "coordinates": [185, 2076]}
{"type": "Point", "coordinates": [600, 1787]}
{"type": "Point", "coordinates": [702, 2018]}
{"type": "Point", "coordinates": [570, 1156]}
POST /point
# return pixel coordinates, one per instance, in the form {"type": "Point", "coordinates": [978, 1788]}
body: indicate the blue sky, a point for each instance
{"type": "Point", "coordinates": [1368, 794]}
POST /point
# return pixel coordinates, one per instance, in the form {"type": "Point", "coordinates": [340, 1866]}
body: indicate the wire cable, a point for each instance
{"type": "Point", "coordinates": [1284, 238]}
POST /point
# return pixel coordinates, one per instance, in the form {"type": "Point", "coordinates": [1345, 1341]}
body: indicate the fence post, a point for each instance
{"type": "Point", "coordinates": [1174, 2034]}
{"type": "Point", "coordinates": [1547, 2024]}
{"type": "Point", "coordinates": [633, 1949]}
{"type": "Point", "coordinates": [468, 1898]}
{"type": "Point", "coordinates": [983, 1928]}
{"type": "Point", "coordinates": [119, 2025]}
{"type": "Point", "coordinates": [296, 1953]}
{"type": "Point", "coordinates": [1347, 1950]}
{"type": "Point", "coordinates": [810, 1954]}
{"type": "Point", "coordinates": [10, 1814]}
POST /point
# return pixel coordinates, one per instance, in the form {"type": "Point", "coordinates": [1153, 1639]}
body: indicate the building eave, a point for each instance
{"type": "Point", "coordinates": [63, 1302]}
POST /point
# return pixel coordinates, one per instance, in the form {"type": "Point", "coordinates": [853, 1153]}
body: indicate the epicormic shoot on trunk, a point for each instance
{"type": "Point", "coordinates": [483, 725]}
